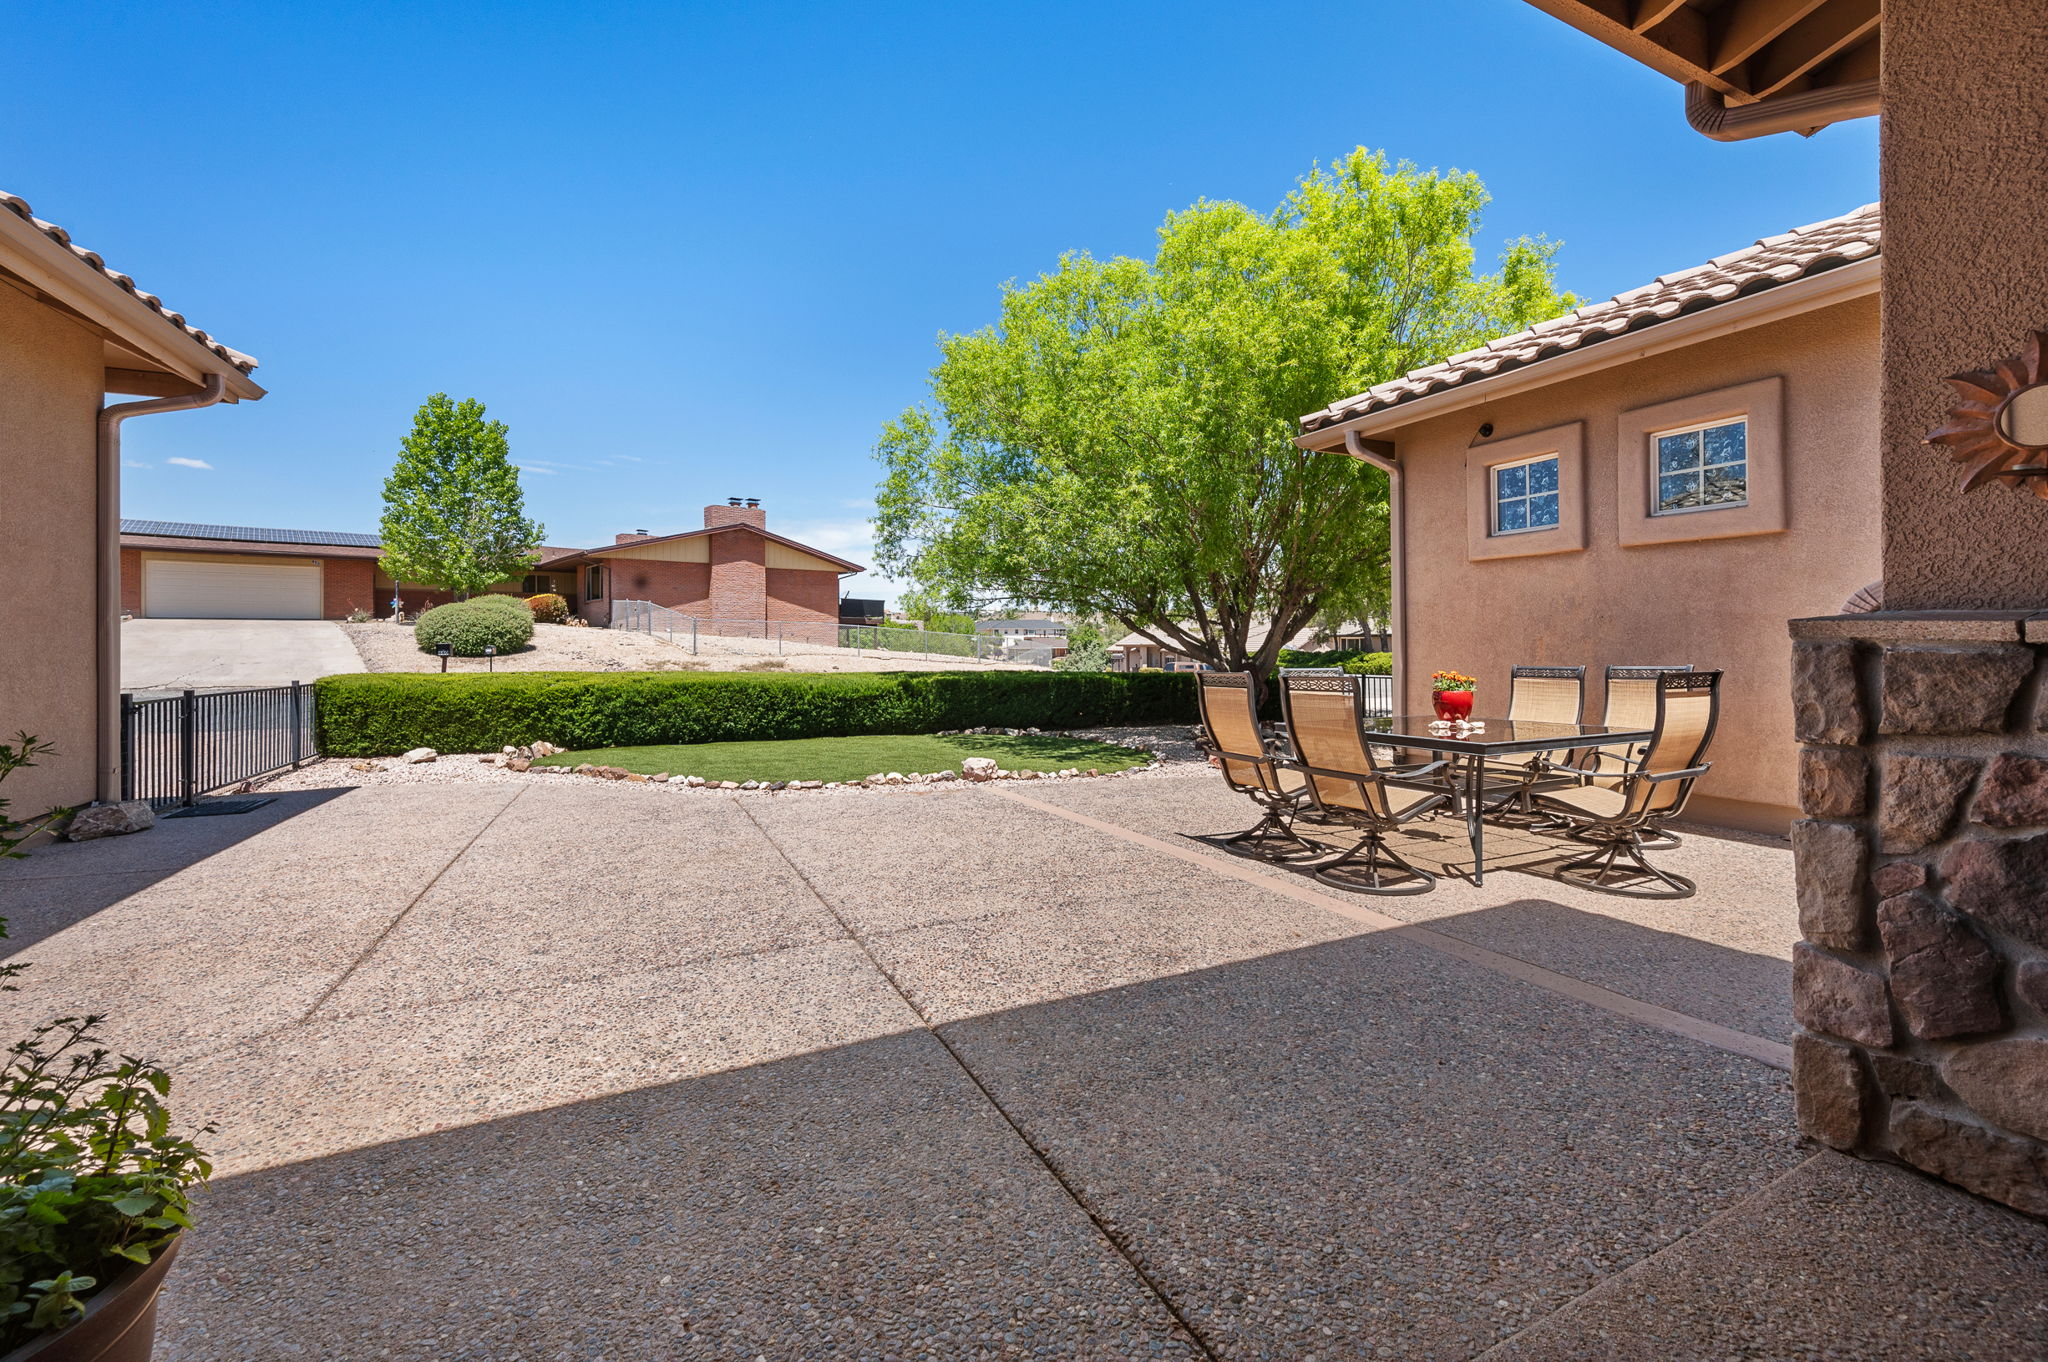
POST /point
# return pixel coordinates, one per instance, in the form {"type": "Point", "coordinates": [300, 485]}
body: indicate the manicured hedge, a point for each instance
{"type": "Point", "coordinates": [1359, 664]}
{"type": "Point", "coordinates": [380, 713]}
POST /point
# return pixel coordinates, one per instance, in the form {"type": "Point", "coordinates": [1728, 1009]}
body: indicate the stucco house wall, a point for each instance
{"type": "Point", "coordinates": [50, 387]}
{"type": "Point", "coordinates": [1718, 602]}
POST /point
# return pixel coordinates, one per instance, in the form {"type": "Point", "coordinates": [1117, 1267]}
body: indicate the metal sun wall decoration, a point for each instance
{"type": "Point", "coordinates": [1998, 428]}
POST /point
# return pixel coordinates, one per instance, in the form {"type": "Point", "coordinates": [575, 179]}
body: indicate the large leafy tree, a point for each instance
{"type": "Point", "coordinates": [1119, 443]}
{"type": "Point", "coordinates": [454, 516]}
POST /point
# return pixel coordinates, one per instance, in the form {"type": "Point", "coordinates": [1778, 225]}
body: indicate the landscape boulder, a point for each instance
{"type": "Point", "coordinates": [110, 820]}
{"type": "Point", "coordinates": [419, 754]}
{"type": "Point", "coordinates": [978, 768]}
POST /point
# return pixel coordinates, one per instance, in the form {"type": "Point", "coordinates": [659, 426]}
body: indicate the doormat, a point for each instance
{"type": "Point", "coordinates": [213, 808]}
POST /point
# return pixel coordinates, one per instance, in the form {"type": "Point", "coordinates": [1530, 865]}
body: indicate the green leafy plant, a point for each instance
{"type": "Point", "coordinates": [379, 713]}
{"type": "Point", "coordinates": [92, 1180]}
{"type": "Point", "coordinates": [454, 516]}
{"type": "Point", "coordinates": [469, 627]}
{"type": "Point", "coordinates": [14, 756]}
{"type": "Point", "coordinates": [1119, 443]}
{"type": "Point", "coordinates": [548, 608]}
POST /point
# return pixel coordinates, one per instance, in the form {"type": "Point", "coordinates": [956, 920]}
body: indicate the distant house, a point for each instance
{"type": "Point", "coordinates": [1662, 478]}
{"type": "Point", "coordinates": [732, 569]}
{"type": "Point", "coordinates": [74, 332]}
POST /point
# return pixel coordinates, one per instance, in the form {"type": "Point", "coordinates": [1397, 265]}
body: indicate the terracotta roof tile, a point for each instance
{"type": "Point", "coordinates": [19, 207]}
{"type": "Point", "coordinates": [1773, 261]}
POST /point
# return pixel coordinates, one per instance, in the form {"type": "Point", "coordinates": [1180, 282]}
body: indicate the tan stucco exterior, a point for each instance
{"type": "Point", "coordinates": [1965, 177]}
{"type": "Point", "coordinates": [1719, 601]}
{"type": "Point", "coordinates": [50, 384]}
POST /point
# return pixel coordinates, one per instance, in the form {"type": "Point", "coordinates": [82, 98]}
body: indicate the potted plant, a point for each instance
{"type": "Point", "coordinates": [93, 1183]}
{"type": "Point", "coordinates": [1452, 692]}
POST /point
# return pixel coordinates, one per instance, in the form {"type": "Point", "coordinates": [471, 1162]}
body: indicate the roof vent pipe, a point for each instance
{"type": "Point", "coordinates": [1805, 113]}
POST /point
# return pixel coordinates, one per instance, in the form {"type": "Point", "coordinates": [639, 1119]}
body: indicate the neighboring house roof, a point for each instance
{"type": "Point", "coordinates": [1770, 263]}
{"type": "Point", "coordinates": [607, 550]}
{"type": "Point", "coordinates": [177, 529]}
{"type": "Point", "coordinates": [17, 209]}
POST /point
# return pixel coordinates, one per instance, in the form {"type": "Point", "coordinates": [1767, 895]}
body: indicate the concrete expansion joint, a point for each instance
{"type": "Point", "coordinates": [405, 912]}
{"type": "Point", "coordinates": [1110, 1234]}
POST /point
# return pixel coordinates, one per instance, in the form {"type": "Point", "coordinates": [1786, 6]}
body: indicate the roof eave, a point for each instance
{"type": "Point", "coordinates": [75, 286]}
{"type": "Point", "coordinates": [1857, 279]}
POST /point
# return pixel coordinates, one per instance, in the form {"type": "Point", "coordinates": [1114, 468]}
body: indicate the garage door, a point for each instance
{"type": "Point", "coordinates": [230, 591]}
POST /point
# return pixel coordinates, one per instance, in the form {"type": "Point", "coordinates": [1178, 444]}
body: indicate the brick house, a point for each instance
{"type": "Point", "coordinates": [733, 569]}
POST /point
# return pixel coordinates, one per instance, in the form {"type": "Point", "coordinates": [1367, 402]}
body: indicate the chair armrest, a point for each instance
{"type": "Point", "coordinates": [1689, 773]}
{"type": "Point", "coordinates": [1428, 768]}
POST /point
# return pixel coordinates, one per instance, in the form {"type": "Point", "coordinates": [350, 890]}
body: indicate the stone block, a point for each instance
{"type": "Point", "coordinates": [110, 820]}
{"type": "Point", "coordinates": [2004, 1081]}
{"type": "Point", "coordinates": [1827, 706]}
{"type": "Point", "coordinates": [1944, 976]}
{"type": "Point", "coordinates": [1830, 1091]}
{"type": "Point", "coordinates": [1900, 1077]}
{"type": "Point", "coordinates": [1831, 781]}
{"type": "Point", "coordinates": [2003, 882]}
{"type": "Point", "coordinates": [2014, 793]}
{"type": "Point", "coordinates": [1918, 798]}
{"type": "Point", "coordinates": [1950, 690]}
{"type": "Point", "coordinates": [2031, 983]}
{"type": "Point", "coordinates": [1834, 997]}
{"type": "Point", "coordinates": [1829, 860]}
{"type": "Point", "coordinates": [1898, 877]}
{"type": "Point", "coordinates": [1986, 1162]}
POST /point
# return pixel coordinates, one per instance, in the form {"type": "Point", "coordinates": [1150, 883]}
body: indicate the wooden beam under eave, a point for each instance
{"type": "Point", "coordinates": [1819, 37]}
{"type": "Point", "coordinates": [1650, 13]}
{"type": "Point", "coordinates": [1683, 33]}
{"type": "Point", "coordinates": [1741, 29]}
{"type": "Point", "coordinates": [148, 383]}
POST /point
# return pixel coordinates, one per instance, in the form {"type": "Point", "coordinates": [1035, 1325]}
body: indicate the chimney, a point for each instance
{"type": "Point", "coordinates": [736, 511]}
{"type": "Point", "coordinates": [633, 538]}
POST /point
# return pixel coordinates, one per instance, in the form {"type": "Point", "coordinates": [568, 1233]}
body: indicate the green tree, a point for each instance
{"type": "Point", "coordinates": [1087, 649]}
{"type": "Point", "coordinates": [454, 516]}
{"type": "Point", "coordinates": [1119, 443]}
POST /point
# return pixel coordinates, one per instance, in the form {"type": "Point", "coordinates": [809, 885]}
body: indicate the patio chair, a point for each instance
{"type": "Point", "coordinates": [1233, 734]}
{"type": "Point", "coordinates": [1549, 695]}
{"type": "Point", "coordinates": [1347, 784]}
{"type": "Point", "coordinates": [1631, 703]}
{"type": "Point", "coordinates": [1625, 815]}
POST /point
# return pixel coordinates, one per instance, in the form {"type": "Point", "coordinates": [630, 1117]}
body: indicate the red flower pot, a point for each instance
{"type": "Point", "coordinates": [1453, 704]}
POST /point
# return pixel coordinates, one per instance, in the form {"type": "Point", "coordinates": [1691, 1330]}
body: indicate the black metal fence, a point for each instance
{"type": "Point", "coordinates": [178, 747]}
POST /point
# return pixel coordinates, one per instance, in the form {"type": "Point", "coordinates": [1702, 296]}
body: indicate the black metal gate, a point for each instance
{"type": "Point", "coordinates": [179, 747]}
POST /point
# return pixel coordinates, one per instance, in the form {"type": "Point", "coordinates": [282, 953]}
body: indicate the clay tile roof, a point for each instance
{"type": "Point", "coordinates": [1775, 260]}
{"type": "Point", "coordinates": [19, 207]}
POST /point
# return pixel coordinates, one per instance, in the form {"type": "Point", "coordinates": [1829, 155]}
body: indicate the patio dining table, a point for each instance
{"type": "Point", "coordinates": [1469, 751]}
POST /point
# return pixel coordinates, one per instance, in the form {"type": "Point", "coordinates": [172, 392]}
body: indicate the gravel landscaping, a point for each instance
{"type": "Point", "coordinates": [387, 647]}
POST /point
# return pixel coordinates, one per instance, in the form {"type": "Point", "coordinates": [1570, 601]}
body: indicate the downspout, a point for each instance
{"type": "Point", "coordinates": [107, 596]}
{"type": "Point", "coordinates": [1380, 455]}
{"type": "Point", "coordinates": [1805, 113]}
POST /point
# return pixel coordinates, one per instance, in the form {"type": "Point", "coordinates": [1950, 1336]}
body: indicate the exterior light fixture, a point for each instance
{"type": "Point", "coordinates": [444, 651]}
{"type": "Point", "coordinates": [491, 656]}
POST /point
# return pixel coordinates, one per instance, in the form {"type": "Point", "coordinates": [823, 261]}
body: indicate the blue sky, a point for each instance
{"type": "Point", "coordinates": [689, 251]}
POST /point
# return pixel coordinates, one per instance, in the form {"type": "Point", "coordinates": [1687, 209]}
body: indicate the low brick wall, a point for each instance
{"type": "Point", "coordinates": [1921, 988]}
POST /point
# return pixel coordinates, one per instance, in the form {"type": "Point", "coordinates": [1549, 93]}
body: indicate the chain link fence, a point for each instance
{"type": "Point", "coordinates": [702, 634]}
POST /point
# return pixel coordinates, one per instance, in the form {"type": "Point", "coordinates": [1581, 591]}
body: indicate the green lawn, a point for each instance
{"type": "Point", "coordinates": [855, 758]}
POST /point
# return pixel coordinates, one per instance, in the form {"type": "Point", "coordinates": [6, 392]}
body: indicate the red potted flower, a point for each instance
{"type": "Point", "coordinates": [1452, 692]}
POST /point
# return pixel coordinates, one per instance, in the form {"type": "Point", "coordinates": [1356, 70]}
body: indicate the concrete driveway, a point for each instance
{"type": "Point", "coordinates": [829, 1076]}
{"type": "Point", "coordinates": [159, 656]}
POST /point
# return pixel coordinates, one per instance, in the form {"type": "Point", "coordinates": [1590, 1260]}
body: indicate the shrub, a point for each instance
{"type": "Point", "coordinates": [469, 626]}
{"type": "Point", "coordinates": [497, 600]}
{"type": "Point", "coordinates": [358, 617]}
{"type": "Point", "coordinates": [380, 713]}
{"type": "Point", "coordinates": [1369, 664]}
{"type": "Point", "coordinates": [548, 608]}
{"type": "Point", "coordinates": [1366, 664]}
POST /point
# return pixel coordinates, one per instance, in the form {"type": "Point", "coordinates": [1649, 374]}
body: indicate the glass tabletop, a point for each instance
{"type": "Point", "coordinates": [1498, 735]}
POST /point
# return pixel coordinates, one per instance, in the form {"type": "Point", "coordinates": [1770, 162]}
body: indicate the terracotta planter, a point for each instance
{"type": "Point", "coordinates": [1450, 705]}
{"type": "Point", "coordinates": [119, 1323]}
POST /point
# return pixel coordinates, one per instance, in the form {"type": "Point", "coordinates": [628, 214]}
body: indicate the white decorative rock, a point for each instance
{"type": "Point", "coordinates": [979, 768]}
{"type": "Point", "coordinates": [420, 754]}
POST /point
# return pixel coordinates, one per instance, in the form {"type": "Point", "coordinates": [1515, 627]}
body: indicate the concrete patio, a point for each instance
{"type": "Point", "coordinates": [582, 1070]}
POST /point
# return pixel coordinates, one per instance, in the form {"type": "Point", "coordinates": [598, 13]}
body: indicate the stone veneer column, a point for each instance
{"type": "Point", "coordinates": [1921, 988]}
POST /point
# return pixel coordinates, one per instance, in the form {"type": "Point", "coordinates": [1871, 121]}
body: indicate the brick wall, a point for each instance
{"type": "Point", "coordinates": [679, 586]}
{"type": "Point", "coordinates": [714, 516]}
{"type": "Point", "coordinates": [1921, 988]}
{"type": "Point", "coordinates": [131, 581]}
{"type": "Point", "coordinates": [805, 597]}
{"type": "Point", "coordinates": [739, 576]}
{"type": "Point", "coordinates": [347, 585]}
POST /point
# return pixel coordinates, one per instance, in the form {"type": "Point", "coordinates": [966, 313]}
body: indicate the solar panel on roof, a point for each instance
{"type": "Point", "coordinates": [248, 534]}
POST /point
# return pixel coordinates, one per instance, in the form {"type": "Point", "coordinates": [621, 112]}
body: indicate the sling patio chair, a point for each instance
{"type": "Point", "coordinates": [1624, 815]}
{"type": "Point", "coordinates": [1631, 703]}
{"type": "Point", "coordinates": [1347, 784]}
{"type": "Point", "coordinates": [1234, 736]}
{"type": "Point", "coordinates": [1549, 695]}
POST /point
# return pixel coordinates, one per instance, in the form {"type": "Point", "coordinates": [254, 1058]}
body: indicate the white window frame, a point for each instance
{"type": "Point", "coordinates": [1657, 473]}
{"type": "Point", "coordinates": [1493, 472]}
